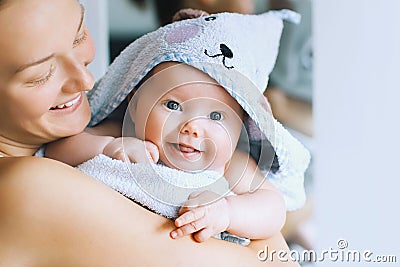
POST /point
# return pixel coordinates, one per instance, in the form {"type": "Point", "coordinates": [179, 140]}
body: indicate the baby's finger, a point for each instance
{"type": "Point", "coordinates": [204, 234]}
{"type": "Point", "coordinates": [119, 155]}
{"type": "Point", "coordinates": [188, 206]}
{"type": "Point", "coordinates": [188, 229]}
{"type": "Point", "coordinates": [194, 194]}
{"type": "Point", "coordinates": [152, 150]}
{"type": "Point", "coordinates": [138, 156]}
{"type": "Point", "coordinates": [190, 216]}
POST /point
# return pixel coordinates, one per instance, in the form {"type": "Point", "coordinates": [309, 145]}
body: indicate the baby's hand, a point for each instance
{"type": "Point", "coordinates": [135, 149]}
{"type": "Point", "coordinates": [205, 214]}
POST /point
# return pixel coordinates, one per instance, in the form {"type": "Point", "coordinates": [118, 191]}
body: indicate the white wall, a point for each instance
{"type": "Point", "coordinates": [357, 125]}
{"type": "Point", "coordinates": [97, 21]}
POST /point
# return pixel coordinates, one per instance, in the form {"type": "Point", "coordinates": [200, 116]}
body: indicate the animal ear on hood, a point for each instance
{"type": "Point", "coordinates": [188, 13]}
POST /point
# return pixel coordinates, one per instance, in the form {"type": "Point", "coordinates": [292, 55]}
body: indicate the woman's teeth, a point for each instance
{"type": "Point", "coordinates": [68, 104]}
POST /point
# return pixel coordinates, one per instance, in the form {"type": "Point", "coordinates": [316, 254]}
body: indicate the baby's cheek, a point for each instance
{"type": "Point", "coordinates": [225, 142]}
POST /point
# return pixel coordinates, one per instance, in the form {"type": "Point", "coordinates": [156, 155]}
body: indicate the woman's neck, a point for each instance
{"type": "Point", "coordinates": [9, 148]}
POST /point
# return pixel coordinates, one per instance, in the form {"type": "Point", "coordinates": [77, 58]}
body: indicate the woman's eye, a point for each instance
{"type": "Point", "coordinates": [173, 105]}
{"type": "Point", "coordinates": [81, 38]}
{"type": "Point", "coordinates": [45, 79]}
{"type": "Point", "coordinates": [216, 116]}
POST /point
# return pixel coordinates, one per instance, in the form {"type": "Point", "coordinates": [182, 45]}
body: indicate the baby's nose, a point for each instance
{"type": "Point", "coordinates": [193, 128]}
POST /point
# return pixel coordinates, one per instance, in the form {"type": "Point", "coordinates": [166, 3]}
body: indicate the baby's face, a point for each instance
{"type": "Point", "coordinates": [193, 121]}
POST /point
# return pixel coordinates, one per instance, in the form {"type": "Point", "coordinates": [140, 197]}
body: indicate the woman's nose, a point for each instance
{"type": "Point", "coordinates": [79, 77]}
{"type": "Point", "coordinates": [193, 128]}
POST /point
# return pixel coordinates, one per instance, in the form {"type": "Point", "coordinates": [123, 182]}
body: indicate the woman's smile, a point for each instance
{"type": "Point", "coordinates": [69, 103]}
{"type": "Point", "coordinates": [69, 106]}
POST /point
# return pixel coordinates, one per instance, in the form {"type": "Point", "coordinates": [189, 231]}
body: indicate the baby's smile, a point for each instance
{"type": "Point", "coordinates": [187, 151]}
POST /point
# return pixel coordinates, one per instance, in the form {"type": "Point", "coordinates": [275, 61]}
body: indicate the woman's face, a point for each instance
{"type": "Point", "coordinates": [45, 48]}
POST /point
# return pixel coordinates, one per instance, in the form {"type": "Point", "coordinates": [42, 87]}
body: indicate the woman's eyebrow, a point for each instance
{"type": "Point", "coordinates": [37, 62]}
{"type": "Point", "coordinates": [40, 61]}
{"type": "Point", "coordinates": [82, 17]}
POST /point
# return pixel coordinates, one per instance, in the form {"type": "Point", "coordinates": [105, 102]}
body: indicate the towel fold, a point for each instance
{"type": "Point", "coordinates": [157, 187]}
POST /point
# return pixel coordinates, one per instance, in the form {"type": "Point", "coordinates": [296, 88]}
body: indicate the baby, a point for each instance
{"type": "Point", "coordinates": [192, 109]}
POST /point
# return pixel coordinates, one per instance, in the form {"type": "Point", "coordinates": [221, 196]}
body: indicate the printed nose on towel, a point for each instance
{"type": "Point", "coordinates": [226, 52]}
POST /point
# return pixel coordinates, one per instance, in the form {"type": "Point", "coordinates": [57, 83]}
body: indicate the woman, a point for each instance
{"type": "Point", "coordinates": [50, 213]}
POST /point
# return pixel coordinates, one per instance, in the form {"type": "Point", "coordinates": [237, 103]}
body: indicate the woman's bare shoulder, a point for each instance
{"type": "Point", "coordinates": [28, 180]}
{"type": "Point", "coordinates": [35, 178]}
{"type": "Point", "coordinates": [14, 170]}
{"type": "Point", "coordinates": [20, 165]}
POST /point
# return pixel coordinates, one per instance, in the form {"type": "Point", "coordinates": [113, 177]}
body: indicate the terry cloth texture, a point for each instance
{"type": "Point", "coordinates": [238, 52]}
{"type": "Point", "coordinates": [161, 189]}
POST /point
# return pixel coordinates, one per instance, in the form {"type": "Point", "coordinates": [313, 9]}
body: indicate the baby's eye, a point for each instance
{"type": "Point", "coordinates": [173, 105]}
{"type": "Point", "coordinates": [216, 116]}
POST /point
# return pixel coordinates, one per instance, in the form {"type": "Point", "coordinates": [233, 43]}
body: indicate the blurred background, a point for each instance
{"type": "Point", "coordinates": [334, 86]}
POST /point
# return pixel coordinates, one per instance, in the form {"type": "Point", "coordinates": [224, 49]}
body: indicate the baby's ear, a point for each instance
{"type": "Point", "coordinates": [188, 13]}
{"type": "Point", "coordinates": [130, 95]}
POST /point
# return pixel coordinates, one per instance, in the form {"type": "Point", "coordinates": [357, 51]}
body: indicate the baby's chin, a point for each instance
{"type": "Point", "coordinates": [190, 161]}
{"type": "Point", "coordinates": [188, 166]}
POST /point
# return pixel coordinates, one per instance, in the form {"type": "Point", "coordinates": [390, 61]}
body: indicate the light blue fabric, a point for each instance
{"type": "Point", "coordinates": [293, 70]}
{"type": "Point", "coordinates": [239, 52]}
{"type": "Point", "coordinates": [40, 152]}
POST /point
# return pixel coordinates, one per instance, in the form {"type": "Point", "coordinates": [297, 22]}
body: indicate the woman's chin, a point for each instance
{"type": "Point", "coordinates": [72, 123]}
{"type": "Point", "coordinates": [69, 127]}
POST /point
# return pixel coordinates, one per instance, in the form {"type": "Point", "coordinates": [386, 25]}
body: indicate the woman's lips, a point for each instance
{"type": "Point", "coordinates": [68, 104]}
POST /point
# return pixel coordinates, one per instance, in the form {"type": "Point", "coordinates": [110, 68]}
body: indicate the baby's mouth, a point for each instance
{"type": "Point", "coordinates": [186, 148]}
{"type": "Point", "coordinates": [67, 104]}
